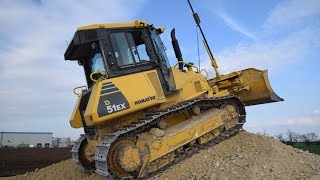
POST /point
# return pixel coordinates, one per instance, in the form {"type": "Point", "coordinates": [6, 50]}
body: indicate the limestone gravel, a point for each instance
{"type": "Point", "coordinates": [243, 156]}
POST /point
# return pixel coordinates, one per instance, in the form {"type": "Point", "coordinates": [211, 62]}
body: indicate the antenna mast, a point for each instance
{"type": "Point", "coordinates": [206, 45]}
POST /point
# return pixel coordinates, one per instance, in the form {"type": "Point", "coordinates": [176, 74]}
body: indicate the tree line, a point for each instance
{"type": "Point", "coordinates": [291, 138]}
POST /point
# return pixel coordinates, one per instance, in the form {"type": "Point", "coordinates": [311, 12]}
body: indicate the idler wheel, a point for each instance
{"type": "Point", "coordinates": [86, 154]}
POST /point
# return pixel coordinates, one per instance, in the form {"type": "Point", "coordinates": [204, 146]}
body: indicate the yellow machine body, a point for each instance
{"type": "Point", "coordinates": [143, 90]}
{"type": "Point", "coordinates": [136, 92]}
{"type": "Point", "coordinates": [120, 97]}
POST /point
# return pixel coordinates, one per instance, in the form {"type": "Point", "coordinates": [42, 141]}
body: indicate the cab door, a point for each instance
{"type": "Point", "coordinates": [164, 69]}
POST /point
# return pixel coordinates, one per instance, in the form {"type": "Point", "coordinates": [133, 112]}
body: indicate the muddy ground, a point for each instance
{"type": "Point", "coordinates": [15, 161]}
{"type": "Point", "coordinates": [243, 156]}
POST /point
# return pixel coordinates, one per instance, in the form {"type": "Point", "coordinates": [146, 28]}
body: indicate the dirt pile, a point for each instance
{"type": "Point", "coordinates": [248, 156]}
{"type": "Point", "coordinates": [244, 156]}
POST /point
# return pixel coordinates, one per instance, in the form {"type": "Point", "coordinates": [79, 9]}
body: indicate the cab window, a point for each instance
{"type": "Point", "coordinates": [94, 62]}
{"type": "Point", "coordinates": [97, 63]}
{"type": "Point", "coordinates": [129, 48]}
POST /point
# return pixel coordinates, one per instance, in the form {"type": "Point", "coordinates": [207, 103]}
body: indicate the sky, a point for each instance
{"type": "Point", "coordinates": [281, 36]}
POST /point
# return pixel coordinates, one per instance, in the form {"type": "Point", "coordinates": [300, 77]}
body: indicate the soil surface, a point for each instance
{"type": "Point", "coordinates": [243, 156]}
{"type": "Point", "coordinates": [15, 161]}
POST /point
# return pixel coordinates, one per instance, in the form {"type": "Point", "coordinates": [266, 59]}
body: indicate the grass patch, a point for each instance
{"type": "Point", "coordinates": [313, 148]}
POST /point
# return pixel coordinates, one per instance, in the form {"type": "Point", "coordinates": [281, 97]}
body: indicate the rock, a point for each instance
{"type": "Point", "coordinates": [301, 162]}
{"type": "Point", "coordinates": [157, 132]}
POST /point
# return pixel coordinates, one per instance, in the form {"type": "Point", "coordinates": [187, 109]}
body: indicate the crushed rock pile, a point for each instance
{"type": "Point", "coordinates": [243, 156]}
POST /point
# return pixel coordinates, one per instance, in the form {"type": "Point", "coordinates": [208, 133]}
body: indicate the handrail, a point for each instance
{"type": "Point", "coordinates": [100, 71]}
{"type": "Point", "coordinates": [74, 90]}
{"type": "Point", "coordinates": [205, 72]}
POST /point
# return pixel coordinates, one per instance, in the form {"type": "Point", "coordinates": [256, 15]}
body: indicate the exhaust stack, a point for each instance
{"type": "Point", "coordinates": [176, 48]}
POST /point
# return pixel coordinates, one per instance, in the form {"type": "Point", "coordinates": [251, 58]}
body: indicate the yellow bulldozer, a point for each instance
{"type": "Point", "coordinates": [139, 114]}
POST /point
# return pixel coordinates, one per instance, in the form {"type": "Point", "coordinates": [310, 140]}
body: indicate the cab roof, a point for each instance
{"type": "Point", "coordinates": [134, 24]}
{"type": "Point", "coordinates": [90, 33]}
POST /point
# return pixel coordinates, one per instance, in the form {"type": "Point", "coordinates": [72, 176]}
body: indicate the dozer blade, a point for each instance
{"type": "Point", "coordinates": [251, 85]}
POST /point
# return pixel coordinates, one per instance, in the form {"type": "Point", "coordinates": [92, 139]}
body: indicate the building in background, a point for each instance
{"type": "Point", "coordinates": [26, 139]}
{"type": "Point", "coordinates": [61, 142]}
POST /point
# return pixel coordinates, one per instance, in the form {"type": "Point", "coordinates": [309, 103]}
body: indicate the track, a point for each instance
{"type": "Point", "coordinates": [75, 149]}
{"type": "Point", "coordinates": [151, 120]}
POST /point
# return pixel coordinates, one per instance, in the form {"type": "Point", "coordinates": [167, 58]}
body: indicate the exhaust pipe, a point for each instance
{"type": "Point", "coordinates": [176, 48]}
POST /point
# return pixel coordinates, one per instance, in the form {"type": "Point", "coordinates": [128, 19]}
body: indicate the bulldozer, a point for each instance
{"type": "Point", "coordinates": [140, 115]}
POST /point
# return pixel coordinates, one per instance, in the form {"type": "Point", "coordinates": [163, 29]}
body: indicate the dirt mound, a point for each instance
{"type": "Point", "coordinates": [244, 156]}
{"type": "Point", "coordinates": [247, 156]}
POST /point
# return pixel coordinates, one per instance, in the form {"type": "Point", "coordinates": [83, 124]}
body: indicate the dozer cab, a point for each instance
{"type": "Point", "coordinates": [139, 114]}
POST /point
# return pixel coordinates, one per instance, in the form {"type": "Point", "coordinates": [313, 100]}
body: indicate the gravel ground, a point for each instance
{"type": "Point", "coordinates": [248, 156]}
{"type": "Point", "coordinates": [244, 156]}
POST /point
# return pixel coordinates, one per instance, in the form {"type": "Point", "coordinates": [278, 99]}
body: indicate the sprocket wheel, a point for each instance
{"type": "Point", "coordinates": [124, 158]}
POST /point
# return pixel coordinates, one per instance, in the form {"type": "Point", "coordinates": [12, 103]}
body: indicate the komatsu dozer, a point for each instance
{"type": "Point", "coordinates": [139, 114]}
